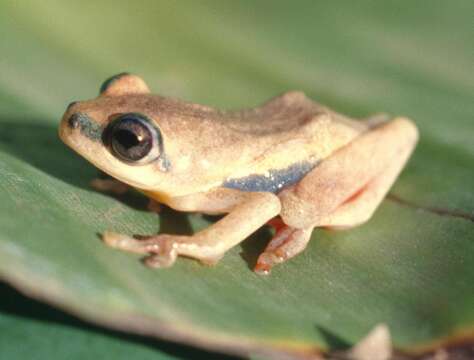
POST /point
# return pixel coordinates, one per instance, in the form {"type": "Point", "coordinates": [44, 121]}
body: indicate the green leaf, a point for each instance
{"type": "Point", "coordinates": [409, 267]}
{"type": "Point", "coordinates": [31, 330]}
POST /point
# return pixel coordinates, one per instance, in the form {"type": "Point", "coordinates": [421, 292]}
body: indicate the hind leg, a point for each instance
{"type": "Point", "coordinates": [380, 154]}
{"type": "Point", "coordinates": [343, 191]}
{"type": "Point", "coordinates": [287, 243]}
{"type": "Point", "coordinates": [360, 207]}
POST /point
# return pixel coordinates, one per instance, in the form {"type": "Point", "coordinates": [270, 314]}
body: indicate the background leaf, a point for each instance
{"type": "Point", "coordinates": [409, 266]}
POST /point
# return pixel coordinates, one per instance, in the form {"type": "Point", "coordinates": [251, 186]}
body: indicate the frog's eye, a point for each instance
{"type": "Point", "coordinates": [133, 139]}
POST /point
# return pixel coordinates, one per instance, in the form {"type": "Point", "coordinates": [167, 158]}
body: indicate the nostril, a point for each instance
{"type": "Point", "coordinates": [74, 121]}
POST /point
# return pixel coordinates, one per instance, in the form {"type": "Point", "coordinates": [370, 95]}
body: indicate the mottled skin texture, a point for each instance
{"type": "Point", "coordinates": [290, 157]}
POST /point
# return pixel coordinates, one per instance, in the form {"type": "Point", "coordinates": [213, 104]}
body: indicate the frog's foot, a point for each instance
{"type": "Point", "coordinates": [286, 243]}
{"type": "Point", "coordinates": [168, 255]}
{"type": "Point", "coordinates": [109, 185]}
{"type": "Point", "coordinates": [163, 249]}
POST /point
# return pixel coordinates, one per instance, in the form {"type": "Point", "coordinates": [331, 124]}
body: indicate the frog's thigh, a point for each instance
{"type": "Point", "coordinates": [362, 171]}
{"type": "Point", "coordinates": [208, 245]}
{"type": "Point", "coordinates": [360, 208]}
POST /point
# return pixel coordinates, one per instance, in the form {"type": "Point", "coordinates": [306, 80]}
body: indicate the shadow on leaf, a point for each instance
{"type": "Point", "coordinates": [334, 341]}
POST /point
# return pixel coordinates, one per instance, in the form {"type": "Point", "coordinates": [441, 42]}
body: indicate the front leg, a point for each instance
{"type": "Point", "coordinates": [110, 185]}
{"type": "Point", "coordinates": [250, 212]}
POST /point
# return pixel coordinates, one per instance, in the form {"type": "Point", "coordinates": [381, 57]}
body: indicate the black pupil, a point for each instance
{"type": "Point", "coordinates": [126, 139]}
{"type": "Point", "coordinates": [131, 139]}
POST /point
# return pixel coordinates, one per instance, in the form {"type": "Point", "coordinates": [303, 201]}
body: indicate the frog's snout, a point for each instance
{"type": "Point", "coordinates": [68, 121]}
{"type": "Point", "coordinates": [77, 126]}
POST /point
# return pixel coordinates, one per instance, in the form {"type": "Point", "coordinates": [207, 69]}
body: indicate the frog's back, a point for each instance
{"type": "Point", "coordinates": [289, 112]}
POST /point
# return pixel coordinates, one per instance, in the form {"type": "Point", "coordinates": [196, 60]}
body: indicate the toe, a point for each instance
{"type": "Point", "coordinates": [160, 260]}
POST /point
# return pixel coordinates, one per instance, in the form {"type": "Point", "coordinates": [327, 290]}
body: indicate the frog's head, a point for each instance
{"type": "Point", "coordinates": [115, 133]}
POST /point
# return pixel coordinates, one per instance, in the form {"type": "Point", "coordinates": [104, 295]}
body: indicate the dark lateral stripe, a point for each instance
{"type": "Point", "coordinates": [274, 181]}
{"type": "Point", "coordinates": [88, 127]}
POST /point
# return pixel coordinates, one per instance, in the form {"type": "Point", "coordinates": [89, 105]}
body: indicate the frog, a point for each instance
{"type": "Point", "coordinates": [290, 163]}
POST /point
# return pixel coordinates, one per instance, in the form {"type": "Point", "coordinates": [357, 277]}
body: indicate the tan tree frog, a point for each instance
{"type": "Point", "coordinates": [291, 163]}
